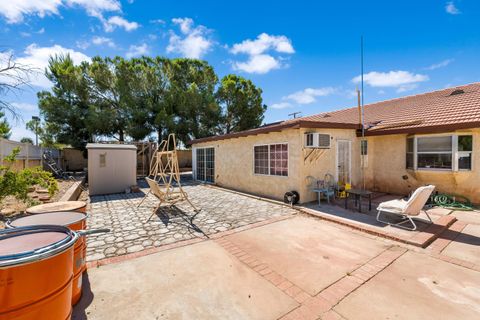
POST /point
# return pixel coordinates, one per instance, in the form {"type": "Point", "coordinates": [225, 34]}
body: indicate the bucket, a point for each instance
{"type": "Point", "coordinates": [36, 272]}
{"type": "Point", "coordinates": [79, 206]}
{"type": "Point", "coordinates": [74, 221]}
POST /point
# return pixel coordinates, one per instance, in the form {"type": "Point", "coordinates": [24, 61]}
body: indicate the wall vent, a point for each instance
{"type": "Point", "coordinates": [455, 92]}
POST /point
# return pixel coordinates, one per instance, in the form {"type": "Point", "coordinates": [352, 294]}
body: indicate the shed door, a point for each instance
{"type": "Point", "coordinates": [343, 161]}
{"type": "Point", "coordinates": [205, 169]}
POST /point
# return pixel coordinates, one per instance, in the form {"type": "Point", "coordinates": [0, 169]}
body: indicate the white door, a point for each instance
{"type": "Point", "coordinates": [344, 153]}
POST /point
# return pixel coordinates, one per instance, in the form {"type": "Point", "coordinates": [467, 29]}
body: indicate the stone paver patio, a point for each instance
{"type": "Point", "coordinates": [130, 232]}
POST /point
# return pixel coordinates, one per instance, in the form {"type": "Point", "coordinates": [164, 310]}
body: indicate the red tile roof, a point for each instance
{"type": "Point", "coordinates": [423, 113]}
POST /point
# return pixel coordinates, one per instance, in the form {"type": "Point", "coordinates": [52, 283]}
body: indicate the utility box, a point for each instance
{"type": "Point", "coordinates": [112, 168]}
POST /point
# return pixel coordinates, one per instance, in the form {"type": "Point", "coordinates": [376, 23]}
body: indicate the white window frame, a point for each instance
{"type": "Point", "coordinates": [454, 152]}
{"type": "Point", "coordinates": [270, 175]}
{"type": "Point", "coordinates": [194, 163]}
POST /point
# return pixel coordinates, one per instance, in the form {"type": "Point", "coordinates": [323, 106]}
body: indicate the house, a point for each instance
{"type": "Point", "coordinates": [411, 141]}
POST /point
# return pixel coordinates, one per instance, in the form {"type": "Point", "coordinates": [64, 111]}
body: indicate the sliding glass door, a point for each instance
{"type": "Point", "coordinates": [205, 164]}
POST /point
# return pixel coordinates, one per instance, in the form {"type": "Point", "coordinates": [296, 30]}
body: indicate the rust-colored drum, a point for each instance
{"type": "Point", "coordinates": [74, 221]}
{"type": "Point", "coordinates": [36, 275]}
{"type": "Point", "coordinates": [80, 206]}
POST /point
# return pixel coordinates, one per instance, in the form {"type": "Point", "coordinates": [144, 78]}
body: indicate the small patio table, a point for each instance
{"type": "Point", "coordinates": [358, 195]}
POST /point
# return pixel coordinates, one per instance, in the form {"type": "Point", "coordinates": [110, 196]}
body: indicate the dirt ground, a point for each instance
{"type": "Point", "coordinates": [20, 207]}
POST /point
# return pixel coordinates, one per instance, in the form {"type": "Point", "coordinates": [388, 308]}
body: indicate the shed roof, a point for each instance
{"type": "Point", "coordinates": [442, 110]}
{"type": "Point", "coordinates": [111, 146]}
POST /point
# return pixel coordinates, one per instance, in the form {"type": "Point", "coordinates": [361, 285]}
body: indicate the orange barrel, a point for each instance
{"type": "Point", "coordinates": [36, 275]}
{"type": "Point", "coordinates": [80, 206]}
{"type": "Point", "coordinates": [74, 221]}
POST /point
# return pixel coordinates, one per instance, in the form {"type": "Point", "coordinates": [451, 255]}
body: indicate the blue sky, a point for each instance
{"type": "Point", "coordinates": [303, 54]}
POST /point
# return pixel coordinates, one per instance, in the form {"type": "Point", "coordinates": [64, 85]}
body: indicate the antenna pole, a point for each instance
{"type": "Point", "coordinates": [362, 146]}
{"type": "Point", "coordinates": [294, 114]}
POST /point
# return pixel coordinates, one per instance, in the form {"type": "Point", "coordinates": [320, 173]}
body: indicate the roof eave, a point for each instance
{"type": "Point", "coordinates": [288, 125]}
{"type": "Point", "coordinates": [429, 129]}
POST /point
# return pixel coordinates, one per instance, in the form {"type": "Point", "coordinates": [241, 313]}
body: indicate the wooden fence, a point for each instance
{"type": "Point", "coordinates": [29, 156]}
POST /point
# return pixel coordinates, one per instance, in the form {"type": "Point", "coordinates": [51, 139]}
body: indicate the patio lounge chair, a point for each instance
{"type": "Point", "coordinates": [407, 209]}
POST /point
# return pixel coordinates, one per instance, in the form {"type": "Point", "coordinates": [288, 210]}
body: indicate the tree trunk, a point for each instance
{"type": "Point", "coordinates": [121, 137]}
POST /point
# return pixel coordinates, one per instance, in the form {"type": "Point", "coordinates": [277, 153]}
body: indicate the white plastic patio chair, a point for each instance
{"type": "Point", "coordinates": [409, 209]}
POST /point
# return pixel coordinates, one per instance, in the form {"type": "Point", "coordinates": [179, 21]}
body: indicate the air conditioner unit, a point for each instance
{"type": "Point", "coordinates": [317, 140]}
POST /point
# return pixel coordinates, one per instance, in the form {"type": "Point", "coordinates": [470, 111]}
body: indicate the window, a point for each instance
{"type": "Point", "coordinates": [439, 152]}
{"type": "Point", "coordinates": [309, 139]}
{"type": "Point", "coordinates": [271, 159]}
{"type": "Point", "coordinates": [410, 153]}
{"type": "Point", "coordinates": [205, 164]}
{"type": "Point", "coordinates": [465, 147]}
{"type": "Point", "coordinates": [434, 152]}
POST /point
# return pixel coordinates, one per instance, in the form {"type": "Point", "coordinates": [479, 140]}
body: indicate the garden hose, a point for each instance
{"type": "Point", "coordinates": [450, 202]}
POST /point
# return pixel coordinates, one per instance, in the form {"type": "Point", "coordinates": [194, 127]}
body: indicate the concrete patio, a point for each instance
{"type": "Point", "coordinates": [297, 268]}
{"type": "Point", "coordinates": [243, 257]}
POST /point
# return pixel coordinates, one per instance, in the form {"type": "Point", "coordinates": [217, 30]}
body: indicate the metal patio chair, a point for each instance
{"type": "Point", "coordinates": [408, 210]}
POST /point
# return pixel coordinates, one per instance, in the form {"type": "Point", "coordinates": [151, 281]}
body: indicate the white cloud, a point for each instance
{"type": "Point", "coordinates": [309, 95]}
{"type": "Point", "coordinates": [263, 43]}
{"type": "Point", "coordinates": [193, 42]}
{"type": "Point", "coordinates": [439, 65]}
{"type": "Point", "coordinates": [157, 21]}
{"type": "Point", "coordinates": [37, 57]}
{"type": "Point", "coordinates": [136, 51]}
{"type": "Point", "coordinates": [116, 21]}
{"type": "Point", "coordinates": [402, 80]}
{"type": "Point", "coordinates": [451, 8]}
{"type": "Point", "coordinates": [260, 60]}
{"type": "Point", "coordinates": [95, 8]}
{"type": "Point", "coordinates": [103, 41]}
{"type": "Point", "coordinates": [15, 11]}
{"type": "Point", "coordinates": [260, 64]}
{"type": "Point", "coordinates": [96, 40]}
{"type": "Point", "coordinates": [305, 96]}
{"type": "Point", "coordinates": [281, 105]}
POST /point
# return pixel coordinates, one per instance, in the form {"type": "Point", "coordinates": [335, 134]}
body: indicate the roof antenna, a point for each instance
{"type": "Point", "coordinates": [294, 114]}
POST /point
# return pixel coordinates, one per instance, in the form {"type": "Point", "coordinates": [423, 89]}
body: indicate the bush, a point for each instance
{"type": "Point", "coordinates": [17, 183]}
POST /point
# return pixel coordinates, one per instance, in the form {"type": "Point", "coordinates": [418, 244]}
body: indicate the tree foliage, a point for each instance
{"type": "Point", "coordinates": [119, 98]}
{"type": "Point", "coordinates": [5, 129]}
{"type": "Point", "coordinates": [242, 104]}
{"type": "Point", "coordinates": [26, 140]}
{"type": "Point", "coordinates": [16, 183]}
{"type": "Point", "coordinates": [46, 131]}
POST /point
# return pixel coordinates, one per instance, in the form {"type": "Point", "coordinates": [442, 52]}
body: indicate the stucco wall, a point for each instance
{"type": "Point", "coordinates": [387, 157]}
{"type": "Point", "coordinates": [323, 161]}
{"type": "Point", "coordinates": [384, 170]}
{"type": "Point", "coordinates": [234, 164]}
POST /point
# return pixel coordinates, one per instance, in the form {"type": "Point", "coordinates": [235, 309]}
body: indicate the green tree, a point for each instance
{"type": "Point", "coordinates": [26, 140]}
{"type": "Point", "coordinates": [67, 105]}
{"type": "Point", "coordinates": [46, 131]}
{"type": "Point", "coordinates": [241, 102]}
{"type": "Point", "coordinates": [192, 97]}
{"type": "Point", "coordinates": [5, 129]}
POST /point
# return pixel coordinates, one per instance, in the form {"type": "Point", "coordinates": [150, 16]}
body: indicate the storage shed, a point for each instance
{"type": "Point", "coordinates": [111, 167]}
